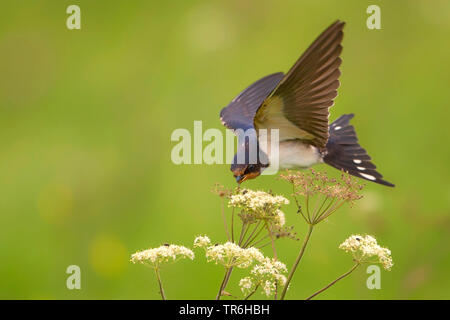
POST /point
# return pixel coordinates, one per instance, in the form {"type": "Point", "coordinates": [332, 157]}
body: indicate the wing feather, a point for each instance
{"type": "Point", "coordinates": [240, 113]}
{"type": "Point", "coordinates": [306, 92]}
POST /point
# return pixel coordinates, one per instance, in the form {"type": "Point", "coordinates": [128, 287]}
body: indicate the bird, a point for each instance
{"type": "Point", "coordinates": [297, 105]}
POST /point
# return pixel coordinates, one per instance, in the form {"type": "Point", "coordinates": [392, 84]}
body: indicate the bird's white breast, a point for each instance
{"type": "Point", "coordinates": [291, 153]}
{"type": "Point", "coordinates": [295, 154]}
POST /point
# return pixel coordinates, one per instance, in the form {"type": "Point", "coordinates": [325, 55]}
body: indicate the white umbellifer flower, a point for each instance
{"type": "Point", "coordinates": [280, 219]}
{"type": "Point", "coordinates": [268, 274]}
{"type": "Point", "coordinates": [365, 247]}
{"type": "Point", "coordinates": [246, 284]}
{"type": "Point", "coordinates": [256, 200]}
{"type": "Point", "coordinates": [162, 254]}
{"type": "Point", "coordinates": [202, 242]}
{"type": "Point", "coordinates": [269, 288]}
{"type": "Point", "coordinates": [254, 253]}
{"type": "Point", "coordinates": [230, 255]}
{"type": "Point", "coordinates": [260, 205]}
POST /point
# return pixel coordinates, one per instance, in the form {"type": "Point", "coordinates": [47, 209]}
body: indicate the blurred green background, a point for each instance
{"type": "Point", "coordinates": [86, 118]}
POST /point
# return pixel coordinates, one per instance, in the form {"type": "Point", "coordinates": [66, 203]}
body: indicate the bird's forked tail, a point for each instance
{"type": "Point", "coordinates": [345, 153]}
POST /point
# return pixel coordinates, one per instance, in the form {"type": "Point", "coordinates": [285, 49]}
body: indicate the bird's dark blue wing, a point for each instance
{"type": "Point", "coordinates": [240, 113]}
{"type": "Point", "coordinates": [299, 105]}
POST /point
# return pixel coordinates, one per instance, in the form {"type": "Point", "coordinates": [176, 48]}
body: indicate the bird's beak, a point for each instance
{"type": "Point", "coordinates": [239, 179]}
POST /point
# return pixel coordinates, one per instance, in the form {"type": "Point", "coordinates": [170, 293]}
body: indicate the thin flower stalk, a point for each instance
{"type": "Point", "coordinates": [297, 261]}
{"type": "Point", "coordinates": [156, 257]}
{"type": "Point", "coordinates": [258, 211]}
{"type": "Point", "coordinates": [222, 285]}
{"type": "Point", "coordinates": [364, 249]}
{"type": "Point", "coordinates": [323, 197]}
{"type": "Point", "coordinates": [252, 293]}
{"type": "Point", "coordinates": [161, 290]}
{"type": "Point", "coordinates": [356, 265]}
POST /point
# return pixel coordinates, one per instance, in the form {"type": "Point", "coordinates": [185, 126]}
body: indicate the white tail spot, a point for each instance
{"type": "Point", "coordinates": [367, 176]}
{"type": "Point", "coordinates": [357, 161]}
{"type": "Point", "coordinates": [337, 128]}
{"type": "Point", "coordinates": [361, 168]}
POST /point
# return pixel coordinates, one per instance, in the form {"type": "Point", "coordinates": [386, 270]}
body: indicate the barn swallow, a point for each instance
{"type": "Point", "coordinates": [297, 104]}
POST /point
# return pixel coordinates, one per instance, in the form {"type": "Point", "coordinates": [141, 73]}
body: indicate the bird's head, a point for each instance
{"type": "Point", "coordinates": [244, 172]}
{"type": "Point", "coordinates": [249, 160]}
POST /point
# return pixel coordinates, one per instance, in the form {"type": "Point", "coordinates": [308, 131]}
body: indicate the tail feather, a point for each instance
{"type": "Point", "coordinates": [345, 153]}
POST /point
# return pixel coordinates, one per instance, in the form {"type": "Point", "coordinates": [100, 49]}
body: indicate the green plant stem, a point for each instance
{"type": "Point", "coordinates": [228, 278]}
{"type": "Point", "coordinates": [225, 221]}
{"type": "Point", "coordinates": [161, 290]}
{"type": "Point", "coordinates": [229, 270]}
{"type": "Point", "coordinates": [321, 212]}
{"type": "Point", "coordinates": [333, 282]}
{"type": "Point", "coordinates": [317, 210]}
{"type": "Point", "coordinates": [242, 233]}
{"type": "Point", "coordinates": [246, 227]}
{"type": "Point", "coordinates": [252, 235]}
{"type": "Point", "coordinates": [232, 225]}
{"type": "Point", "coordinates": [260, 240]}
{"type": "Point", "coordinates": [300, 255]}
{"type": "Point", "coordinates": [251, 293]}
{"type": "Point", "coordinates": [223, 284]}
{"type": "Point", "coordinates": [294, 196]}
{"type": "Point", "coordinates": [272, 242]}
{"type": "Point", "coordinates": [307, 207]}
{"type": "Point", "coordinates": [264, 245]}
{"type": "Point", "coordinates": [325, 215]}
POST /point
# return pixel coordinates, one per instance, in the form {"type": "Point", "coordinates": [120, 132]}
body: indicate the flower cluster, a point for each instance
{"type": "Point", "coordinates": [366, 247]}
{"type": "Point", "coordinates": [162, 254]}
{"type": "Point", "coordinates": [314, 182]}
{"type": "Point", "coordinates": [221, 191]}
{"type": "Point", "coordinates": [202, 242]}
{"type": "Point", "coordinates": [280, 218]}
{"type": "Point", "coordinates": [259, 205]}
{"type": "Point", "coordinates": [230, 255]}
{"type": "Point", "coordinates": [268, 275]}
{"type": "Point", "coordinates": [323, 195]}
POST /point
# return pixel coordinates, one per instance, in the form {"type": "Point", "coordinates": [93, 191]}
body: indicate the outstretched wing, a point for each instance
{"type": "Point", "coordinates": [240, 113]}
{"type": "Point", "coordinates": [299, 105]}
